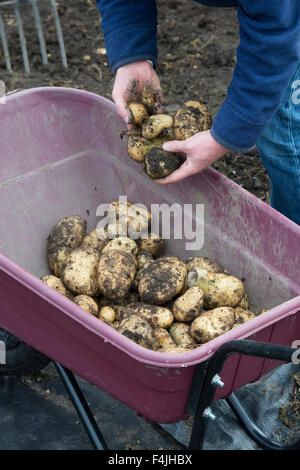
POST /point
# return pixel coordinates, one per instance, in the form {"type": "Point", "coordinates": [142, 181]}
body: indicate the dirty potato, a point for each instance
{"type": "Point", "coordinates": [164, 338]}
{"type": "Point", "coordinates": [126, 219]}
{"type": "Point", "coordinates": [188, 306]}
{"type": "Point", "coordinates": [122, 244]}
{"type": "Point", "coordinates": [202, 262]}
{"type": "Point", "coordinates": [244, 302]}
{"type": "Point", "coordinates": [87, 303]}
{"type": "Point", "coordinates": [148, 99]}
{"type": "Point", "coordinates": [143, 258]}
{"type": "Point", "coordinates": [79, 272]}
{"type": "Point", "coordinates": [65, 236]}
{"type": "Point", "coordinates": [190, 119]}
{"type": "Point", "coordinates": [107, 314]}
{"type": "Point", "coordinates": [155, 315]}
{"type": "Point", "coordinates": [159, 163]}
{"type": "Point", "coordinates": [175, 349]}
{"type": "Point", "coordinates": [56, 284]}
{"type": "Point", "coordinates": [219, 289]}
{"type": "Point", "coordinates": [116, 210]}
{"type": "Point", "coordinates": [137, 146]}
{"type": "Point", "coordinates": [116, 272]}
{"type": "Point", "coordinates": [242, 315]}
{"type": "Point", "coordinates": [138, 112]}
{"type": "Point", "coordinates": [152, 243]}
{"type": "Point", "coordinates": [162, 280]}
{"type": "Point", "coordinates": [96, 239]}
{"type": "Point", "coordinates": [139, 331]}
{"type": "Point", "coordinates": [180, 333]}
{"type": "Point", "coordinates": [154, 125]}
{"type": "Point", "coordinates": [212, 323]}
{"type": "Point", "coordinates": [119, 305]}
{"type": "Point", "coordinates": [115, 325]}
{"type": "Point", "coordinates": [138, 220]}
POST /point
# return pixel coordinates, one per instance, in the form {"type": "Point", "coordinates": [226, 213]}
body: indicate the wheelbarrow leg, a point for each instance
{"type": "Point", "coordinates": [81, 406]}
{"type": "Point", "coordinates": [207, 392]}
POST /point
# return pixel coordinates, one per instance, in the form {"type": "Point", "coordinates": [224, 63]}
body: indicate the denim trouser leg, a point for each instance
{"type": "Point", "coordinates": [279, 148]}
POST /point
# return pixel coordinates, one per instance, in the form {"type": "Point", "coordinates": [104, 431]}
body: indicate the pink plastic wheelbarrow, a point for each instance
{"type": "Point", "coordinates": [61, 154]}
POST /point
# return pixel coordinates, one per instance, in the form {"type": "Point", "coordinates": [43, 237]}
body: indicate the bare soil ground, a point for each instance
{"type": "Point", "coordinates": [196, 59]}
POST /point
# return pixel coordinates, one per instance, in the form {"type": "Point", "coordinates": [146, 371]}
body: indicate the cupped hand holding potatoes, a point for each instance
{"type": "Point", "coordinates": [200, 150]}
{"type": "Point", "coordinates": [130, 80]}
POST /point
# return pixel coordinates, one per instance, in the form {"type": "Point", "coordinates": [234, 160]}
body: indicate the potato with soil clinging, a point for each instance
{"type": "Point", "coordinates": [96, 239]}
{"type": "Point", "coordinates": [154, 125]}
{"type": "Point", "coordinates": [188, 306]}
{"type": "Point", "coordinates": [122, 244]}
{"type": "Point", "coordinates": [212, 323]}
{"type": "Point", "coordinates": [138, 112]}
{"type": "Point", "coordinates": [152, 243]}
{"type": "Point", "coordinates": [117, 230]}
{"type": "Point", "coordinates": [79, 272]}
{"type": "Point", "coordinates": [155, 315]}
{"type": "Point", "coordinates": [181, 334]}
{"type": "Point", "coordinates": [138, 220]}
{"type": "Point", "coordinates": [175, 349]}
{"type": "Point", "coordinates": [65, 236]}
{"type": "Point", "coordinates": [159, 163]}
{"type": "Point", "coordinates": [107, 314]}
{"type": "Point", "coordinates": [115, 325]}
{"type": "Point", "coordinates": [190, 119]}
{"type": "Point", "coordinates": [139, 331]}
{"type": "Point", "coordinates": [242, 315]}
{"type": "Point", "coordinates": [127, 220]}
{"type": "Point", "coordinates": [185, 287]}
{"type": "Point", "coordinates": [136, 280]}
{"type": "Point", "coordinates": [143, 258]}
{"type": "Point", "coordinates": [162, 280]}
{"type": "Point", "coordinates": [87, 303]}
{"type": "Point", "coordinates": [116, 210]}
{"type": "Point", "coordinates": [116, 271]}
{"type": "Point", "coordinates": [203, 262]}
{"type": "Point", "coordinates": [219, 289]}
{"type": "Point", "coordinates": [244, 302]}
{"type": "Point", "coordinates": [56, 284]}
{"type": "Point", "coordinates": [148, 99]}
{"type": "Point", "coordinates": [119, 305]}
{"type": "Point", "coordinates": [164, 338]}
{"type": "Point", "coordinates": [138, 147]}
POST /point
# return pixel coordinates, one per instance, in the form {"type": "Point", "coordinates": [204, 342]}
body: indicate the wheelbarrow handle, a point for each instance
{"type": "Point", "coordinates": [207, 393]}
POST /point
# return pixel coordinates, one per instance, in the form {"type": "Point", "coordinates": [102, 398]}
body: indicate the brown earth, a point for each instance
{"type": "Point", "coordinates": [196, 59]}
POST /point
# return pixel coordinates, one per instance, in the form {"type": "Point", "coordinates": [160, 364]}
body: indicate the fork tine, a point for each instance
{"type": "Point", "coordinates": [39, 28]}
{"type": "Point", "coordinates": [22, 37]}
{"type": "Point", "coordinates": [4, 44]}
{"type": "Point", "coordinates": [59, 34]}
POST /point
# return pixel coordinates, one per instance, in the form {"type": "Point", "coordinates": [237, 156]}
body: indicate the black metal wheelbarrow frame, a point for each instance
{"type": "Point", "coordinates": [201, 396]}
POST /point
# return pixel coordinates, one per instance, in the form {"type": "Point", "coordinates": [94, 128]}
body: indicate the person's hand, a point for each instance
{"type": "Point", "coordinates": [200, 150]}
{"type": "Point", "coordinates": [130, 81]}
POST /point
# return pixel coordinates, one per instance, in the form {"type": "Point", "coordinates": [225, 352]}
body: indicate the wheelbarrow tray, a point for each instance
{"type": "Point", "coordinates": [61, 154]}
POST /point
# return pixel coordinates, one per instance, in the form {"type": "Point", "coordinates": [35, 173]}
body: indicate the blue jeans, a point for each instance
{"type": "Point", "coordinates": [279, 149]}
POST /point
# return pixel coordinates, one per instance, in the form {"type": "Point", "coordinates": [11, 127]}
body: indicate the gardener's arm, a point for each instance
{"type": "Point", "coordinates": [267, 56]}
{"type": "Point", "coordinates": [129, 29]}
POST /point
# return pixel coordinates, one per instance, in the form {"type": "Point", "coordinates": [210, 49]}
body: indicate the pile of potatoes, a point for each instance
{"type": "Point", "coordinates": [150, 131]}
{"type": "Point", "coordinates": [160, 302]}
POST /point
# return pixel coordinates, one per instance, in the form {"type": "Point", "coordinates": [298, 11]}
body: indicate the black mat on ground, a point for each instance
{"type": "Point", "coordinates": [36, 413]}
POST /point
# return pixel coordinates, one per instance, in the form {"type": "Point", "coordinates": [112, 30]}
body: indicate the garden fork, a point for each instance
{"type": "Point", "coordinates": [16, 4]}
